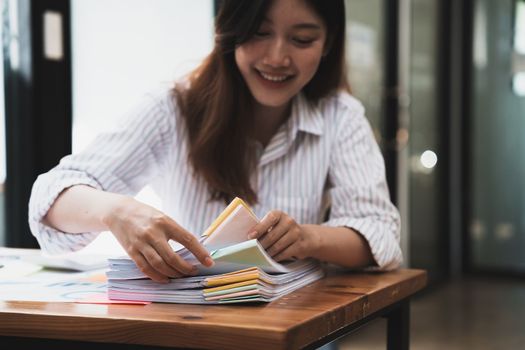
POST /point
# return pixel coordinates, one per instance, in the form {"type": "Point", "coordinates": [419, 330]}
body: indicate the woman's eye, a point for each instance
{"type": "Point", "coordinates": [261, 34]}
{"type": "Point", "coordinates": [303, 41]}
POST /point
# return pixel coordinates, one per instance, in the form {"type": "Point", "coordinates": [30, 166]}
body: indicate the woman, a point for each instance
{"type": "Point", "coordinates": [266, 117]}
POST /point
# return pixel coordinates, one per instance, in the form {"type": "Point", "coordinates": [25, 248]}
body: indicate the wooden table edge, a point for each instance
{"type": "Point", "coordinates": [95, 328]}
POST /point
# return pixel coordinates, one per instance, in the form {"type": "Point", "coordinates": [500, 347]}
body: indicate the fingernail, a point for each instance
{"type": "Point", "coordinates": [209, 262]}
{"type": "Point", "coordinates": [252, 234]}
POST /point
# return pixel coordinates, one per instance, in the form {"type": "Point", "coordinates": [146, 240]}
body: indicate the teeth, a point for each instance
{"type": "Point", "coordinates": [275, 78]}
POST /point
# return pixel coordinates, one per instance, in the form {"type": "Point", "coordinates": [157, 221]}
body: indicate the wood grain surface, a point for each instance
{"type": "Point", "coordinates": [293, 321]}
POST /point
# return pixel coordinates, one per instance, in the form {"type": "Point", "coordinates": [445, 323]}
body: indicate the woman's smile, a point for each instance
{"type": "Point", "coordinates": [273, 80]}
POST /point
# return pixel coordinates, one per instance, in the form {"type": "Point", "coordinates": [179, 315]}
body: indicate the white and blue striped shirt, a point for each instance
{"type": "Point", "coordinates": [322, 154]}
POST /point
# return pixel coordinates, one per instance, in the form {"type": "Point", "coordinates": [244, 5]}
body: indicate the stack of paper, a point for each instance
{"type": "Point", "coordinates": [248, 285]}
{"type": "Point", "coordinates": [243, 271]}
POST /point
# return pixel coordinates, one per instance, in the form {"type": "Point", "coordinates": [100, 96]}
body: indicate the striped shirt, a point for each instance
{"type": "Point", "coordinates": [322, 154]}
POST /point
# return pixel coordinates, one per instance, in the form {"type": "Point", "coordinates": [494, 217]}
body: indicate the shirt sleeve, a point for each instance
{"type": "Point", "coordinates": [359, 193]}
{"type": "Point", "coordinates": [122, 160]}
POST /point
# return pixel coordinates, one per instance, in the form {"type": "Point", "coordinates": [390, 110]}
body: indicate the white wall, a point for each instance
{"type": "Point", "coordinates": [124, 48]}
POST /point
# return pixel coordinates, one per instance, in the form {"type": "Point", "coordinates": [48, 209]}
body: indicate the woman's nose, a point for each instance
{"type": "Point", "coordinates": [277, 54]}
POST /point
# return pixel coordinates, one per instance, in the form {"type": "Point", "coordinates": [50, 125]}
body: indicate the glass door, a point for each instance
{"type": "Point", "coordinates": [497, 146]}
{"type": "Point", "coordinates": [420, 169]}
{"type": "Point", "coordinates": [426, 161]}
{"type": "Point", "coordinates": [2, 141]}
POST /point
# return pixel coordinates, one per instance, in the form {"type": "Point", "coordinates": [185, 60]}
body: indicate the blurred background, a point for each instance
{"type": "Point", "coordinates": [443, 83]}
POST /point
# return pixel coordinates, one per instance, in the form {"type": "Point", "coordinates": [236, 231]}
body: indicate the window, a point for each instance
{"type": "Point", "coordinates": [518, 81]}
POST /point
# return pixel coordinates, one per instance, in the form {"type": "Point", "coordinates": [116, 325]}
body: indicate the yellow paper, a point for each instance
{"type": "Point", "coordinates": [229, 286]}
{"type": "Point", "coordinates": [221, 280]}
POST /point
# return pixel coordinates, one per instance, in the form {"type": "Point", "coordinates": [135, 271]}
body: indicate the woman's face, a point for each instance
{"type": "Point", "coordinates": [283, 56]}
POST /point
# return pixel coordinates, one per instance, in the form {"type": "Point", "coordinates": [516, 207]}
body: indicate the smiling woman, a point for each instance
{"type": "Point", "coordinates": [267, 117]}
{"type": "Point", "coordinates": [266, 53]}
{"type": "Point", "coordinates": [283, 55]}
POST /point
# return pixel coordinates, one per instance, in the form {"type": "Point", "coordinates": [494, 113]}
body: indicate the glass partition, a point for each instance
{"type": "Point", "coordinates": [497, 146]}
{"type": "Point", "coordinates": [365, 31]}
{"type": "Point", "coordinates": [3, 169]}
{"type": "Point", "coordinates": [425, 160]}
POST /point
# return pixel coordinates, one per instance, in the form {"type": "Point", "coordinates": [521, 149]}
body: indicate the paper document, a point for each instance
{"type": "Point", "coordinates": [243, 270]}
{"type": "Point", "coordinates": [70, 261]}
{"type": "Point", "coordinates": [53, 287]}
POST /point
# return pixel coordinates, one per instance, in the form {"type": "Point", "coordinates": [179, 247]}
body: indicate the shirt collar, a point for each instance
{"type": "Point", "coordinates": [307, 116]}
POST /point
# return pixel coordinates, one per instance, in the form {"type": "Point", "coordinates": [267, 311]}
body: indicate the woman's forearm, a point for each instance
{"type": "Point", "coordinates": [143, 231]}
{"type": "Point", "coordinates": [341, 246]}
{"type": "Point", "coordinates": [82, 208]}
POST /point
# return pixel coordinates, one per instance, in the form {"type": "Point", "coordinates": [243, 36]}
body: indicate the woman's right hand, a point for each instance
{"type": "Point", "coordinates": [144, 231]}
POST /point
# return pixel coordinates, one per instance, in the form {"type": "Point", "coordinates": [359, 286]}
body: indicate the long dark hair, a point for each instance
{"type": "Point", "coordinates": [217, 104]}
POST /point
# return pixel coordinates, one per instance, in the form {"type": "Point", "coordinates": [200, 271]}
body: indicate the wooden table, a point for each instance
{"type": "Point", "coordinates": [307, 318]}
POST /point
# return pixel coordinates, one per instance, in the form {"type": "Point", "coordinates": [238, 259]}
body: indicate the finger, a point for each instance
{"type": "Point", "coordinates": [173, 259]}
{"type": "Point", "coordinates": [286, 254]}
{"type": "Point", "coordinates": [270, 220]}
{"type": "Point", "coordinates": [191, 242]}
{"type": "Point", "coordinates": [282, 244]}
{"type": "Point", "coordinates": [269, 238]}
{"type": "Point", "coordinates": [147, 269]}
{"type": "Point", "coordinates": [155, 260]}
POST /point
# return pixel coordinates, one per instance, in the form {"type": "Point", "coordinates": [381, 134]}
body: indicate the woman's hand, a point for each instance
{"type": "Point", "coordinates": [144, 232]}
{"type": "Point", "coordinates": [283, 238]}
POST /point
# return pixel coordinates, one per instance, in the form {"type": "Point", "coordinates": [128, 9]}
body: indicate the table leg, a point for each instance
{"type": "Point", "coordinates": [398, 326]}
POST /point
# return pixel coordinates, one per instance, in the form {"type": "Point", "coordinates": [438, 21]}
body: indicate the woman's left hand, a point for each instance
{"type": "Point", "coordinates": [283, 238]}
